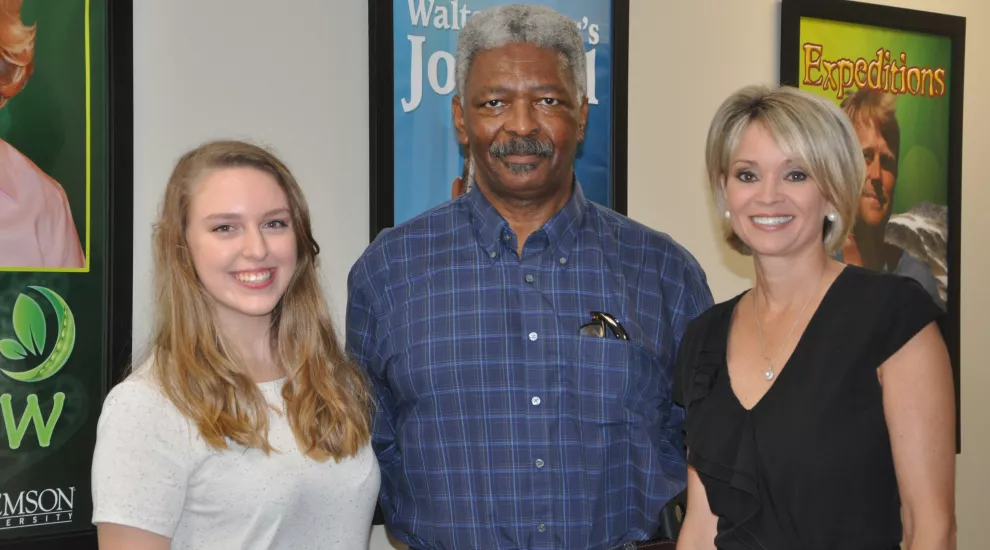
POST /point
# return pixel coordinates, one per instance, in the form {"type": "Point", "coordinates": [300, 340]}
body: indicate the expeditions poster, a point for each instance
{"type": "Point", "coordinates": [53, 281]}
{"type": "Point", "coordinates": [894, 86]}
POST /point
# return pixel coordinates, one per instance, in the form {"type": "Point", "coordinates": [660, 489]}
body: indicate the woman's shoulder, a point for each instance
{"type": "Point", "coordinates": [139, 399]}
{"type": "Point", "coordinates": [139, 385]}
{"type": "Point", "coordinates": [894, 306]}
{"type": "Point", "coordinates": [862, 279]}
{"type": "Point", "coordinates": [874, 293]}
{"type": "Point", "coordinates": [701, 352]}
{"type": "Point", "coordinates": [698, 326]}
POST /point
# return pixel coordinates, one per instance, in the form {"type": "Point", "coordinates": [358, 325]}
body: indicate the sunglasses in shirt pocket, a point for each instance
{"type": "Point", "coordinates": [610, 381]}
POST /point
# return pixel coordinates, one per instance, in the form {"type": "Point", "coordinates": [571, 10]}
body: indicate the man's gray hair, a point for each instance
{"type": "Point", "coordinates": [521, 23]}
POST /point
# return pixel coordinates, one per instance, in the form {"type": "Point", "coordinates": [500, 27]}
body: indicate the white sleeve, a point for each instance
{"type": "Point", "coordinates": [142, 460]}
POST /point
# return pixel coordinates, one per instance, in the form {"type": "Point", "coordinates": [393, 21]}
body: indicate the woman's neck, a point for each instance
{"type": "Point", "coordinates": [250, 340]}
{"type": "Point", "coordinates": [783, 284]}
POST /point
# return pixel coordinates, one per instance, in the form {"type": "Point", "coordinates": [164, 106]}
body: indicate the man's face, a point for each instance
{"type": "Point", "coordinates": [522, 121]}
{"type": "Point", "coordinates": [877, 194]}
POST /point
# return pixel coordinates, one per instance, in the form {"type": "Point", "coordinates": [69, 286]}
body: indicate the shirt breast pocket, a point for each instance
{"type": "Point", "coordinates": [614, 381]}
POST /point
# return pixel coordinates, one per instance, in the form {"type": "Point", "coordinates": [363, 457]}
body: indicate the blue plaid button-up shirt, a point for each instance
{"type": "Point", "coordinates": [498, 425]}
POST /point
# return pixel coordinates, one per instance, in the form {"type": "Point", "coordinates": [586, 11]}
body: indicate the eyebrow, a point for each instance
{"type": "Point", "coordinates": [748, 162]}
{"type": "Point", "coordinates": [539, 89]}
{"type": "Point", "coordinates": [877, 149]}
{"type": "Point", "coordinates": [234, 216]}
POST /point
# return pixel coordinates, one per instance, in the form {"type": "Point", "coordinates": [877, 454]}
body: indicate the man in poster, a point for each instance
{"type": "Point", "coordinates": [36, 225]}
{"type": "Point", "coordinates": [876, 241]}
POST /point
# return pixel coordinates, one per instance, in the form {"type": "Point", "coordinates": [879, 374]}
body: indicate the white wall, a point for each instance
{"type": "Point", "coordinates": [686, 57]}
{"type": "Point", "coordinates": [295, 75]}
{"type": "Point", "coordinates": [292, 75]}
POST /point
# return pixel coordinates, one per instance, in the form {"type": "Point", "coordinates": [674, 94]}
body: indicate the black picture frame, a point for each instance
{"type": "Point", "coordinates": [949, 26]}
{"type": "Point", "coordinates": [120, 243]}
{"type": "Point", "coordinates": [381, 118]}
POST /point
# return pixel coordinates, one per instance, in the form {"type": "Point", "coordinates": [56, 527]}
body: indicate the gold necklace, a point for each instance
{"type": "Point", "coordinates": [769, 374]}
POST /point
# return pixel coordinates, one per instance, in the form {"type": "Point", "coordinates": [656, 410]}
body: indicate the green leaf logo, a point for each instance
{"type": "Point", "coordinates": [12, 349]}
{"type": "Point", "coordinates": [29, 324]}
{"type": "Point", "coordinates": [31, 329]}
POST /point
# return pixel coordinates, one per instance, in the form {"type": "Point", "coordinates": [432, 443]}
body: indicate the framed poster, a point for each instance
{"type": "Point", "coordinates": [415, 156]}
{"type": "Point", "coordinates": [66, 194]}
{"type": "Point", "coordinates": [898, 74]}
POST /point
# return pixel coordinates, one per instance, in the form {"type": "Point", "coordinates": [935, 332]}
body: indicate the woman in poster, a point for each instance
{"type": "Point", "coordinates": [36, 225]}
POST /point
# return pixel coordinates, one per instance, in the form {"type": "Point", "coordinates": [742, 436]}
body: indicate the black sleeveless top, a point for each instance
{"type": "Point", "coordinates": [810, 465]}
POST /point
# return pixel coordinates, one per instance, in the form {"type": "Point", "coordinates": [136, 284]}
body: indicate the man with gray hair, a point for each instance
{"type": "Point", "coordinates": [520, 338]}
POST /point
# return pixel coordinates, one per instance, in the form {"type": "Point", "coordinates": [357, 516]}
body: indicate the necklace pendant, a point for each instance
{"type": "Point", "coordinates": [768, 374]}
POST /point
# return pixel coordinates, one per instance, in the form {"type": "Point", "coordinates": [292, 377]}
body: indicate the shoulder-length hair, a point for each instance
{"type": "Point", "coordinates": [814, 133]}
{"type": "Point", "coordinates": [16, 50]}
{"type": "Point", "coordinates": [327, 401]}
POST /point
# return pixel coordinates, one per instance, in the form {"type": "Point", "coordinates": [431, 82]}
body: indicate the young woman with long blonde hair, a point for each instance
{"type": "Point", "coordinates": [246, 427]}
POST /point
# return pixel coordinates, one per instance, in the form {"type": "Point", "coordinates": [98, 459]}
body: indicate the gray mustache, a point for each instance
{"type": "Point", "coordinates": [522, 146]}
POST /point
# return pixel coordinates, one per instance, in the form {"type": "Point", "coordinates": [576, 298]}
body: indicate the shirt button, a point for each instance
{"type": "Point", "coordinates": [541, 527]}
{"type": "Point", "coordinates": [493, 254]}
{"type": "Point", "coordinates": [530, 278]}
{"type": "Point", "coordinates": [562, 261]}
{"type": "Point", "coordinates": [532, 337]}
{"type": "Point", "coordinates": [536, 401]}
{"type": "Point", "coordinates": [539, 462]}
{"type": "Point", "coordinates": [506, 237]}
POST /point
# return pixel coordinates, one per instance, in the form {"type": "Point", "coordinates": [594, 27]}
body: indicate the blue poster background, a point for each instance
{"type": "Point", "coordinates": [427, 155]}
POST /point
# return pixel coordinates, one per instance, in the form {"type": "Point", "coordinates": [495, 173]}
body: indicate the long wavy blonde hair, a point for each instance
{"type": "Point", "coordinates": [16, 50]}
{"type": "Point", "coordinates": [327, 401]}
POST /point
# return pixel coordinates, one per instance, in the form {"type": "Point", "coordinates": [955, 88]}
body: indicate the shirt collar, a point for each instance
{"type": "Point", "coordinates": [561, 229]}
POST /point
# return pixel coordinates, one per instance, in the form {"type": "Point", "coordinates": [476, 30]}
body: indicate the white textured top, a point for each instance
{"type": "Point", "coordinates": [151, 470]}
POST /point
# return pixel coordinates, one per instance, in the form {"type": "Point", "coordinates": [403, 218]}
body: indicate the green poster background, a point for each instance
{"type": "Point", "coordinates": [47, 122]}
{"type": "Point", "coordinates": [923, 166]}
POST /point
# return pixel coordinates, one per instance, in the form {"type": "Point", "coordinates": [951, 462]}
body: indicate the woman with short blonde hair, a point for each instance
{"type": "Point", "coordinates": [808, 136]}
{"type": "Point", "coordinates": [819, 403]}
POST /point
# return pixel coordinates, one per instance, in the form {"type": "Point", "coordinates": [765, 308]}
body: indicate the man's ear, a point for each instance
{"type": "Point", "coordinates": [583, 119]}
{"type": "Point", "coordinates": [457, 112]}
{"type": "Point", "coordinates": [458, 188]}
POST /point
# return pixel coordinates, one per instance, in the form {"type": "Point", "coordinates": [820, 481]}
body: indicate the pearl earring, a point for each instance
{"type": "Point", "coordinates": [727, 214]}
{"type": "Point", "coordinates": [832, 216]}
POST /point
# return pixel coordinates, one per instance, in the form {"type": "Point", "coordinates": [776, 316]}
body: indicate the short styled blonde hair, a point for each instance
{"type": "Point", "coordinates": [815, 134]}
